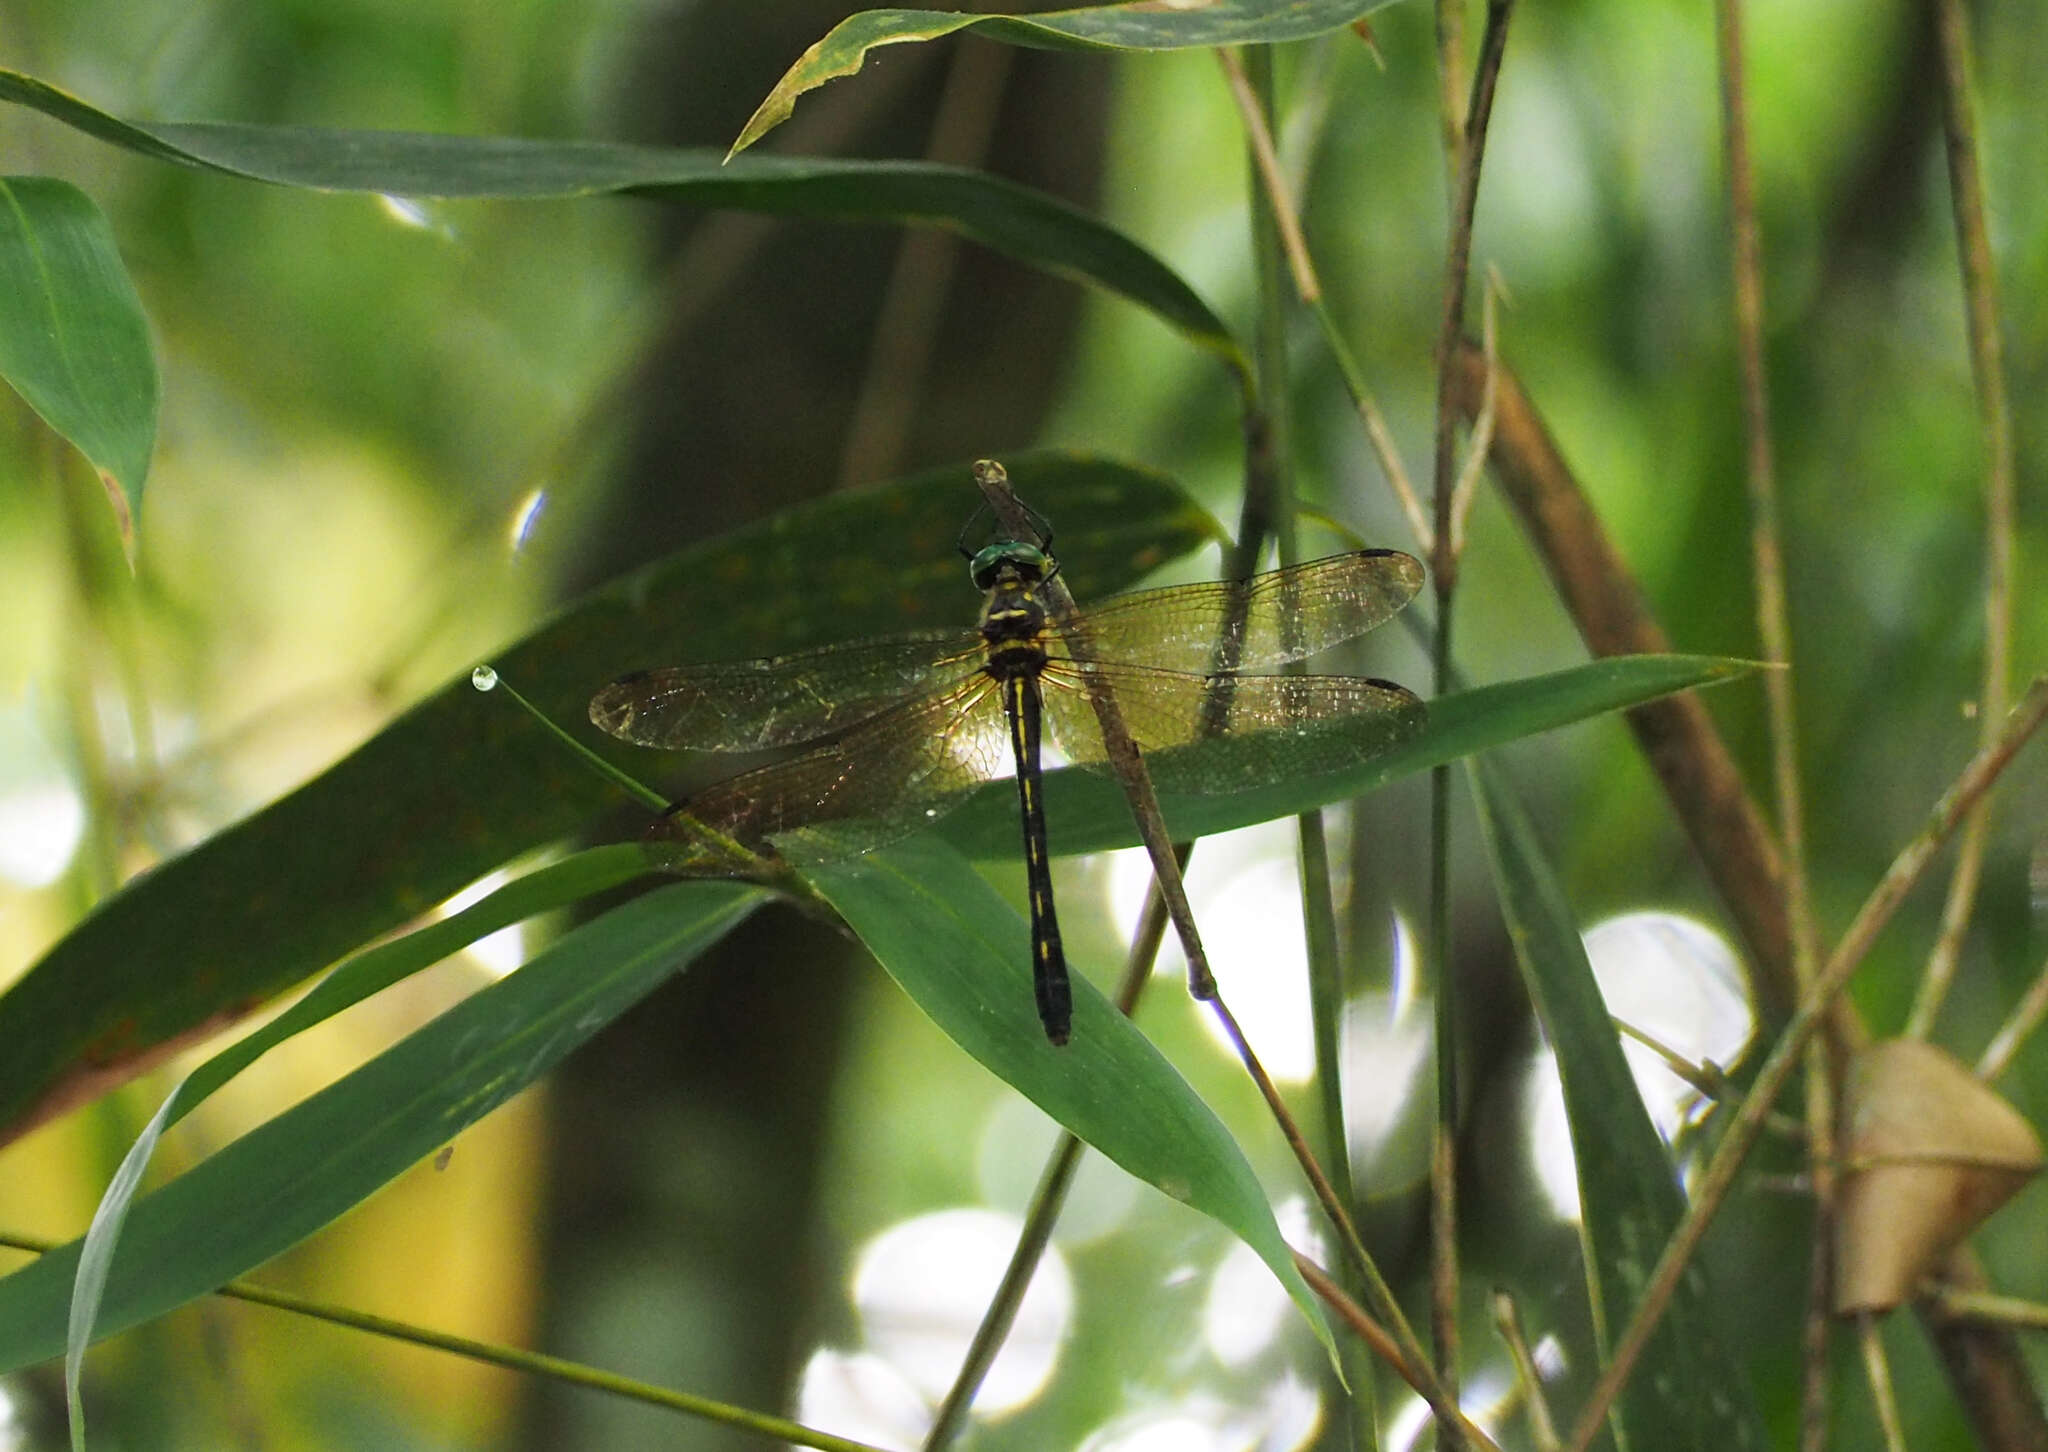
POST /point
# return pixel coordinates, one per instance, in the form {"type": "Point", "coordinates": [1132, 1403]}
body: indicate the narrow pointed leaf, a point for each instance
{"type": "Point", "coordinates": [962, 954]}
{"type": "Point", "coordinates": [557, 885]}
{"type": "Point", "coordinates": [1686, 1394]}
{"type": "Point", "coordinates": [1087, 811]}
{"type": "Point", "coordinates": [462, 783]}
{"type": "Point", "coordinates": [279, 1183]}
{"type": "Point", "coordinates": [1029, 226]}
{"type": "Point", "coordinates": [73, 339]}
{"type": "Point", "coordinates": [1097, 27]}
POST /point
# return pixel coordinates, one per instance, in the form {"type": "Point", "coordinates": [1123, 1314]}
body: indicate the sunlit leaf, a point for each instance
{"type": "Point", "coordinates": [73, 339]}
{"type": "Point", "coordinates": [279, 1183]}
{"type": "Point", "coordinates": [1097, 27]}
{"type": "Point", "coordinates": [1087, 812]}
{"type": "Point", "coordinates": [963, 955]}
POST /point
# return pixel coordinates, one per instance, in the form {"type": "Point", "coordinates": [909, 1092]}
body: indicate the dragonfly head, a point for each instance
{"type": "Point", "coordinates": [1026, 560]}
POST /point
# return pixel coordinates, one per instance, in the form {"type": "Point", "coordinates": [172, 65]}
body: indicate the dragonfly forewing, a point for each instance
{"type": "Point", "coordinates": [756, 705]}
{"type": "Point", "coordinates": [1268, 620]}
{"type": "Point", "coordinates": [895, 772]}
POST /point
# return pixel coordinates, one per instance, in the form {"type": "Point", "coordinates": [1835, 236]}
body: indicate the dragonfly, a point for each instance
{"type": "Point", "coordinates": [899, 729]}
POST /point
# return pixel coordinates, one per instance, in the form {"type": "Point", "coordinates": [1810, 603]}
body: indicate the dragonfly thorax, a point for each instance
{"type": "Point", "coordinates": [1013, 618]}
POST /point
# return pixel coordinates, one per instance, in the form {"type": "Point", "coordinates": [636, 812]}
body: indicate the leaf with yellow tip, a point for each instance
{"type": "Point", "coordinates": [1149, 25]}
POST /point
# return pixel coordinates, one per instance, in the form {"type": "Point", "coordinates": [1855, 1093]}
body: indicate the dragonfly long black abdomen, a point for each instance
{"type": "Point", "coordinates": [1014, 625]}
{"type": "Point", "coordinates": [1049, 983]}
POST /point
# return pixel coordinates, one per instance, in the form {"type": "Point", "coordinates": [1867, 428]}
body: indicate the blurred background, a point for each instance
{"type": "Point", "coordinates": [395, 435]}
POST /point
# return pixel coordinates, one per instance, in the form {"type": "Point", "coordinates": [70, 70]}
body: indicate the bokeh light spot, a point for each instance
{"type": "Point", "coordinates": [500, 952]}
{"type": "Point", "coordinates": [921, 1287]}
{"type": "Point", "coordinates": [1247, 885]}
{"type": "Point", "coordinates": [862, 1397]}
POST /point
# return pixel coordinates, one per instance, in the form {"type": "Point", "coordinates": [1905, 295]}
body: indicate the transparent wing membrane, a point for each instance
{"type": "Point", "coordinates": [1252, 729]}
{"type": "Point", "coordinates": [917, 721]}
{"type": "Point", "coordinates": [784, 700]}
{"type": "Point", "coordinates": [1268, 620]}
{"type": "Point", "coordinates": [890, 775]}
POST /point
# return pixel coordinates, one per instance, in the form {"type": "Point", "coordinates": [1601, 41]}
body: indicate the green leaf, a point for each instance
{"type": "Point", "coordinates": [963, 955]}
{"type": "Point", "coordinates": [1098, 27]}
{"type": "Point", "coordinates": [463, 783]}
{"type": "Point", "coordinates": [73, 340]}
{"type": "Point", "coordinates": [1087, 812]}
{"type": "Point", "coordinates": [1033, 228]}
{"type": "Point", "coordinates": [1686, 1394]}
{"type": "Point", "coordinates": [556, 885]}
{"type": "Point", "coordinates": [279, 1183]}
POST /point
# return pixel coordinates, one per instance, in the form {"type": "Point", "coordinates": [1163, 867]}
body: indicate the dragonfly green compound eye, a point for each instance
{"type": "Point", "coordinates": [1029, 561]}
{"type": "Point", "coordinates": [901, 729]}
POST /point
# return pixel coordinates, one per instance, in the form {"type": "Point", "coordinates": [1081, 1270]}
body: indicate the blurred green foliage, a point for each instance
{"type": "Point", "coordinates": [361, 398]}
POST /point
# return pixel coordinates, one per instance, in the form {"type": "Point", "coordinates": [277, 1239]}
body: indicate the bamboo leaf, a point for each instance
{"type": "Point", "coordinates": [1087, 812]}
{"type": "Point", "coordinates": [73, 339]}
{"type": "Point", "coordinates": [1016, 221]}
{"type": "Point", "coordinates": [1686, 1394]}
{"type": "Point", "coordinates": [463, 783]}
{"type": "Point", "coordinates": [279, 1183]}
{"type": "Point", "coordinates": [846, 46]}
{"type": "Point", "coordinates": [962, 954]}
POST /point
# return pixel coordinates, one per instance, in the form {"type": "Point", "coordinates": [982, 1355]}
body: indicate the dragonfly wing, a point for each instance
{"type": "Point", "coordinates": [1211, 734]}
{"type": "Point", "coordinates": [888, 776]}
{"type": "Point", "coordinates": [1268, 620]}
{"type": "Point", "coordinates": [753, 705]}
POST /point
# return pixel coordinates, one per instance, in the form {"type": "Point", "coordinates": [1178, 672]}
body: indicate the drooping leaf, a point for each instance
{"type": "Point", "coordinates": [1686, 1394]}
{"type": "Point", "coordinates": [1021, 223]}
{"type": "Point", "coordinates": [962, 954]}
{"type": "Point", "coordinates": [279, 1183]}
{"type": "Point", "coordinates": [462, 783]}
{"type": "Point", "coordinates": [73, 339]}
{"type": "Point", "coordinates": [1097, 27]}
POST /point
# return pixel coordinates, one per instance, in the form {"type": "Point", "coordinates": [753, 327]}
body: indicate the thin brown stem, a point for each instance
{"type": "Point", "coordinates": [1450, 87]}
{"type": "Point", "coordinates": [1355, 1316]}
{"type": "Point", "coordinates": [1416, 1374]}
{"type": "Point", "coordinates": [2025, 1017]}
{"type": "Point", "coordinates": [1878, 1371]}
{"type": "Point", "coordinates": [2004, 1310]}
{"type": "Point", "coordinates": [1286, 216]}
{"type": "Point", "coordinates": [1266, 160]}
{"type": "Point", "coordinates": [1378, 1293]}
{"type": "Point", "coordinates": [1708, 1079]}
{"type": "Point", "coordinates": [1987, 367]}
{"type": "Point", "coordinates": [1820, 1282]}
{"type": "Point", "coordinates": [1481, 443]}
{"type": "Point", "coordinates": [1378, 434]}
{"type": "Point", "coordinates": [512, 1358]}
{"type": "Point", "coordinates": [1508, 1320]}
{"type": "Point", "coordinates": [1678, 737]}
{"type": "Point", "coordinates": [1719, 1177]}
{"type": "Point", "coordinates": [1457, 268]}
{"type": "Point", "coordinates": [1469, 155]}
{"type": "Point", "coordinates": [1983, 1362]}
